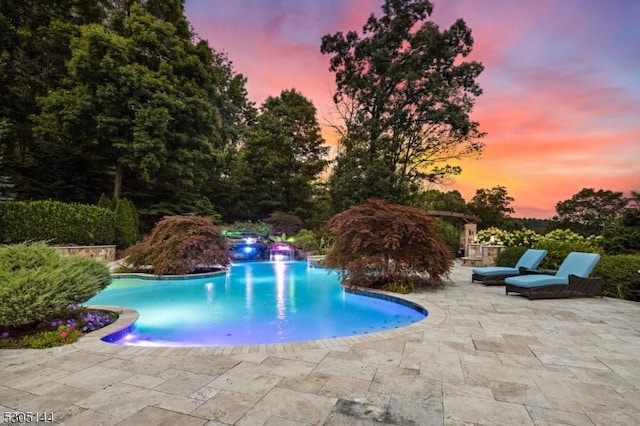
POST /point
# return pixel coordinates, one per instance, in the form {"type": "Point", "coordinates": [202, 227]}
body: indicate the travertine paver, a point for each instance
{"type": "Point", "coordinates": [226, 407]}
{"type": "Point", "coordinates": [485, 411]}
{"type": "Point", "coordinates": [345, 387]}
{"type": "Point", "coordinates": [292, 405]}
{"type": "Point", "coordinates": [481, 358]}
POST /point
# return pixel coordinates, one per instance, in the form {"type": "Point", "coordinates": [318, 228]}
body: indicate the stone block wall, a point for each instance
{"type": "Point", "coordinates": [481, 255]}
{"type": "Point", "coordinates": [490, 253]}
{"type": "Point", "coordinates": [103, 253]}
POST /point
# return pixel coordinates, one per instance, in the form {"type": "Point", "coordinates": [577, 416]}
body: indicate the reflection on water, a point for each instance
{"type": "Point", "coordinates": [281, 270]}
{"type": "Point", "coordinates": [248, 296]}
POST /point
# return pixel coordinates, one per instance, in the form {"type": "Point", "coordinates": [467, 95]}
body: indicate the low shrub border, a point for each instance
{"type": "Point", "coordinates": [620, 276]}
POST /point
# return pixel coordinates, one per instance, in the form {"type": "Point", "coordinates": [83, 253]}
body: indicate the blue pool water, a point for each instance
{"type": "Point", "coordinates": [254, 303]}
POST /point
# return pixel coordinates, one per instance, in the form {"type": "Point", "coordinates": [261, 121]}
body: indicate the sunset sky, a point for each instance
{"type": "Point", "coordinates": [561, 102]}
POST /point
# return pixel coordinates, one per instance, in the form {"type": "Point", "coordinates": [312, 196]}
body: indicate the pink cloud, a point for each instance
{"type": "Point", "coordinates": [560, 102]}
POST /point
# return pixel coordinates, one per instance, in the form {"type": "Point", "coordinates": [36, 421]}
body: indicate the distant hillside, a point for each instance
{"type": "Point", "coordinates": [539, 225]}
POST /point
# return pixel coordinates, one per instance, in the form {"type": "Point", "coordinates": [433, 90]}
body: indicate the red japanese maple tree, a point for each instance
{"type": "Point", "coordinates": [381, 244]}
{"type": "Point", "coordinates": [180, 245]}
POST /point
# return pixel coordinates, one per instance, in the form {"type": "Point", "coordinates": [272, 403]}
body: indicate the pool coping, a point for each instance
{"type": "Point", "coordinates": [145, 276]}
{"type": "Point", "coordinates": [124, 323]}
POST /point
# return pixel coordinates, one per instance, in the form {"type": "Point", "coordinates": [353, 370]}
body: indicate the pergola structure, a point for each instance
{"type": "Point", "coordinates": [466, 218]}
{"type": "Point", "coordinates": [468, 233]}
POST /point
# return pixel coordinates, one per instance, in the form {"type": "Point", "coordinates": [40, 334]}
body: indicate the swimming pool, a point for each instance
{"type": "Point", "coordinates": [254, 303]}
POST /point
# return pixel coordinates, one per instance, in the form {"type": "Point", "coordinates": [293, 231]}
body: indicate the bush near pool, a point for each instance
{"type": "Point", "coordinates": [36, 283]}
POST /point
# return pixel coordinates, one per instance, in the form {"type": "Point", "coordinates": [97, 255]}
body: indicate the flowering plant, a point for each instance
{"type": "Point", "coordinates": [94, 320]}
{"type": "Point", "coordinates": [530, 238]}
{"type": "Point", "coordinates": [520, 237]}
{"type": "Point", "coordinates": [66, 328]}
{"type": "Point", "coordinates": [68, 333]}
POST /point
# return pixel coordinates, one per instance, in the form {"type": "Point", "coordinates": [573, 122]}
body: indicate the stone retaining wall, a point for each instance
{"type": "Point", "coordinates": [103, 253]}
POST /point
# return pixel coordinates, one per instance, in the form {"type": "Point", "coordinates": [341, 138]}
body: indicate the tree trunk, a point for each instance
{"type": "Point", "coordinates": [117, 186]}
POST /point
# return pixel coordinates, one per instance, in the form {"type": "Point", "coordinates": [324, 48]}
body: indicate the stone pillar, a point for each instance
{"type": "Point", "coordinates": [468, 236]}
{"type": "Point", "coordinates": [490, 253]}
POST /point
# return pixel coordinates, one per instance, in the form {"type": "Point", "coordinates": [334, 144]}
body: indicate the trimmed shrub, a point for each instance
{"type": "Point", "coordinates": [36, 283]}
{"type": "Point", "coordinates": [510, 256]}
{"type": "Point", "coordinates": [180, 245]}
{"type": "Point", "coordinates": [55, 222]}
{"type": "Point", "coordinates": [378, 244]}
{"type": "Point", "coordinates": [106, 202]}
{"type": "Point", "coordinates": [620, 276]}
{"type": "Point", "coordinates": [126, 229]}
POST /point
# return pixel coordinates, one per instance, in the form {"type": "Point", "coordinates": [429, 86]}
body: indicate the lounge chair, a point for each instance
{"type": "Point", "coordinates": [495, 275]}
{"type": "Point", "coordinates": [571, 280]}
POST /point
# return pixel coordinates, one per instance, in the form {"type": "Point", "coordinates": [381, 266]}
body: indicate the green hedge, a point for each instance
{"type": "Point", "coordinates": [557, 251]}
{"type": "Point", "coordinates": [56, 222]}
{"type": "Point", "coordinates": [620, 276]}
{"type": "Point", "coordinates": [36, 284]}
{"type": "Point", "coordinates": [510, 256]}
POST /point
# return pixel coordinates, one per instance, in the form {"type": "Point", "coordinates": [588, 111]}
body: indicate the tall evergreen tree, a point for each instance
{"type": "Point", "coordinates": [34, 47]}
{"type": "Point", "coordinates": [124, 102]}
{"type": "Point", "coordinates": [117, 96]}
{"type": "Point", "coordinates": [282, 158]}
{"type": "Point", "coordinates": [144, 107]}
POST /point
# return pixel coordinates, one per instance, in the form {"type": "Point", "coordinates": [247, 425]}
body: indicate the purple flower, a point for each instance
{"type": "Point", "coordinates": [5, 334]}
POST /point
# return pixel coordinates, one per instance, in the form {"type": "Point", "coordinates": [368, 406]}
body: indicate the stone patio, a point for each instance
{"type": "Point", "coordinates": [480, 358]}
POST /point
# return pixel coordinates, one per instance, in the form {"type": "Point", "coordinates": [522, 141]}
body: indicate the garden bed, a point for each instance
{"type": "Point", "coordinates": [65, 328]}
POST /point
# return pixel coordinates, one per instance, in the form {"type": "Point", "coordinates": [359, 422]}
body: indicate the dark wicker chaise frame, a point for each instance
{"type": "Point", "coordinates": [577, 287]}
{"type": "Point", "coordinates": [499, 279]}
